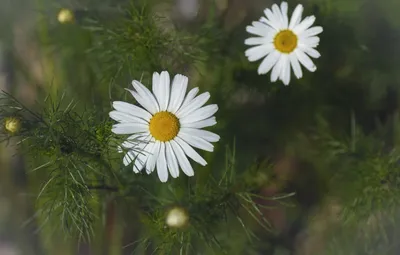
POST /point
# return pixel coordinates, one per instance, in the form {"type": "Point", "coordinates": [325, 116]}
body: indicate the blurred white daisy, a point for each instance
{"type": "Point", "coordinates": [284, 43]}
{"type": "Point", "coordinates": [166, 128]}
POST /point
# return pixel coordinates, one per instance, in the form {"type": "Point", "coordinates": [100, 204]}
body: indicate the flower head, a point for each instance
{"type": "Point", "coordinates": [12, 125]}
{"type": "Point", "coordinates": [65, 16]}
{"type": "Point", "coordinates": [177, 217]}
{"type": "Point", "coordinates": [283, 43]}
{"type": "Point", "coordinates": [164, 131]}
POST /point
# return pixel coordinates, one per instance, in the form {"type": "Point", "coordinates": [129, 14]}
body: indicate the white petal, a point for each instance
{"type": "Point", "coordinates": [256, 31]}
{"type": "Point", "coordinates": [200, 114]}
{"type": "Point", "coordinates": [179, 86]}
{"type": "Point", "coordinates": [163, 97]}
{"type": "Point", "coordinates": [311, 32]}
{"type": "Point", "coordinates": [140, 157]}
{"type": "Point", "coordinates": [268, 62]}
{"type": "Point", "coordinates": [260, 28]}
{"type": "Point", "coordinates": [125, 117]}
{"type": "Point", "coordinates": [162, 169]}
{"type": "Point", "coordinates": [129, 128]}
{"type": "Point", "coordinates": [276, 71]}
{"type": "Point", "coordinates": [197, 142]}
{"type": "Point", "coordinates": [206, 135]}
{"type": "Point", "coordinates": [128, 158]}
{"type": "Point", "coordinates": [142, 137]}
{"type": "Point", "coordinates": [256, 41]}
{"type": "Point", "coordinates": [145, 93]}
{"type": "Point", "coordinates": [284, 10]}
{"type": "Point", "coordinates": [156, 87]}
{"type": "Point", "coordinates": [277, 12]}
{"type": "Point", "coordinates": [129, 145]}
{"type": "Point", "coordinates": [296, 16]}
{"type": "Point", "coordinates": [271, 27]}
{"type": "Point", "coordinates": [305, 60]}
{"type": "Point", "coordinates": [190, 152]}
{"type": "Point", "coordinates": [156, 79]}
{"type": "Point", "coordinates": [285, 75]}
{"type": "Point", "coordinates": [171, 160]}
{"type": "Point", "coordinates": [200, 124]}
{"type": "Point", "coordinates": [140, 162]}
{"type": "Point", "coordinates": [135, 140]}
{"type": "Point", "coordinates": [258, 52]}
{"type": "Point", "coordinates": [192, 93]}
{"type": "Point", "coordinates": [305, 24]}
{"type": "Point", "coordinates": [295, 65]}
{"type": "Point", "coordinates": [195, 104]}
{"type": "Point", "coordinates": [132, 110]}
{"type": "Point", "coordinates": [260, 25]}
{"type": "Point", "coordinates": [272, 20]}
{"type": "Point", "coordinates": [146, 153]}
{"type": "Point", "coordinates": [310, 41]}
{"type": "Point", "coordinates": [144, 101]}
{"type": "Point", "coordinates": [151, 161]}
{"type": "Point", "coordinates": [183, 161]}
{"type": "Point", "coordinates": [310, 51]}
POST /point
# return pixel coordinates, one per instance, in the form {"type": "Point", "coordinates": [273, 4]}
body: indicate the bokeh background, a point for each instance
{"type": "Point", "coordinates": [331, 136]}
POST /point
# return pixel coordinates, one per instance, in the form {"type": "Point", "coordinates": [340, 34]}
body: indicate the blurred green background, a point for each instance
{"type": "Point", "coordinates": [332, 136]}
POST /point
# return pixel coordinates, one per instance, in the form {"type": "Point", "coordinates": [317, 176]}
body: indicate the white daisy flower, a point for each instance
{"type": "Point", "coordinates": [283, 43]}
{"type": "Point", "coordinates": [164, 131]}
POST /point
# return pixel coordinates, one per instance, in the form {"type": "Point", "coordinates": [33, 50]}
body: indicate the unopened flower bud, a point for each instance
{"type": "Point", "coordinates": [12, 125]}
{"type": "Point", "coordinates": [65, 16]}
{"type": "Point", "coordinates": [177, 217]}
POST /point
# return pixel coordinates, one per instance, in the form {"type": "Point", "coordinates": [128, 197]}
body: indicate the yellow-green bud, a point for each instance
{"type": "Point", "coordinates": [12, 125]}
{"type": "Point", "coordinates": [65, 16]}
{"type": "Point", "coordinates": [177, 217]}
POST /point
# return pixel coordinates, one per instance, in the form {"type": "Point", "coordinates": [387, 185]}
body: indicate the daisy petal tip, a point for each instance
{"type": "Point", "coordinates": [166, 73]}
{"type": "Point", "coordinates": [181, 76]}
{"type": "Point", "coordinates": [249, 29]}
{"type": "Point", "coordinates": [163, 180]}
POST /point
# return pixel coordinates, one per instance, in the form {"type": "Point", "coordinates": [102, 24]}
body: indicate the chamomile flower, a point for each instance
{"type": "Point", "coordinates": [166, 127]}
{"type": "Point", "coordinates": [283, 43]}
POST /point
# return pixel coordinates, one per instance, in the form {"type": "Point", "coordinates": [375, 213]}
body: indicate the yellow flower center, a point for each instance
{"type": "Point", "coordinates": [12, 125]}
{"type": "Point", "coordinates": [164, 126]}
{"type": "Point", "coordinates": [285, 41]}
